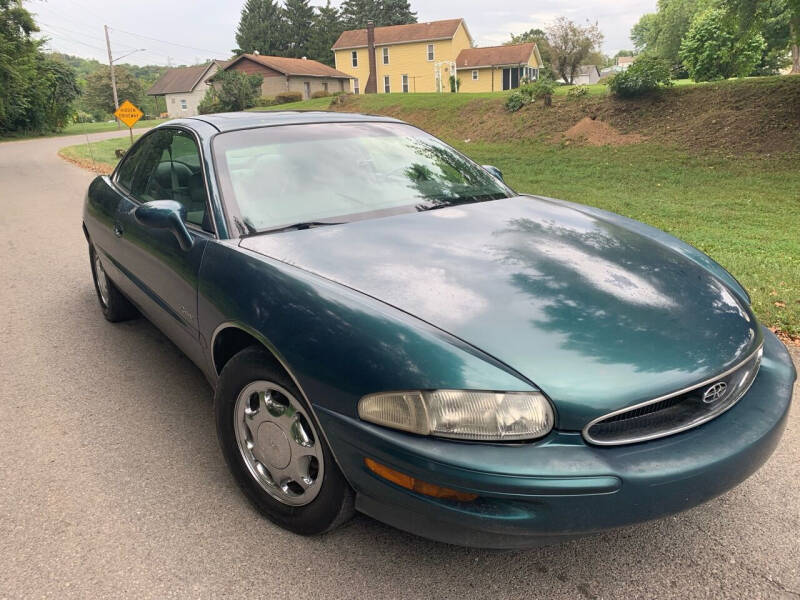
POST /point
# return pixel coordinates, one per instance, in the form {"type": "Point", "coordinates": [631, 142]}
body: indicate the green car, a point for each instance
{"type": "Point", "coordinates": [390, 329]}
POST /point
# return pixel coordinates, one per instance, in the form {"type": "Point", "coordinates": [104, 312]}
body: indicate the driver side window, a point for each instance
{"type": "Point", "coordinates": [167, 167]}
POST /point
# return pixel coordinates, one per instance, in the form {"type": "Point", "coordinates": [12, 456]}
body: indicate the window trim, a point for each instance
{"type": "Point", "coordinates": [113, 178]}
{"type": "Point", "coordinates": [354, 58]}
{"type": "Point", "coordinates": [387, 85]}
{"type": "Point", "coordinates": [431, 54]}
{"type": "Point", "coordinates": [356, 89]}
{"type": "Point", "coordinates": [474, 74]}
{"type": "Point", "coordinates": [404, 83]}
{"type": "Point", "coordinates": [386, 55]}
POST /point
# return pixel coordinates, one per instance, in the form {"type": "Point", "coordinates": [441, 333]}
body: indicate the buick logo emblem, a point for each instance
{"type": "Point", "coordinates": [715, 392]}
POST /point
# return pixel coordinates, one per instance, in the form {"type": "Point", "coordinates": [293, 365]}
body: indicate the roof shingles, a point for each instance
{"type": "Point", "coordinates": [518, 54]}
{"type": "Point", "coordinates": [399, 34]}
{"type": "Point", "coordinates": [293, 66]}
{"type": "Point", "coordinates": [178, 80]}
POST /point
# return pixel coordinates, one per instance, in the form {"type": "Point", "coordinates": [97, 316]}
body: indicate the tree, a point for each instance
{"type": "Point", "coordinates": [261, 29]}
{"type": "Point", "coordinates": [570, 45]}
{"type": "Point", "coordinates": [779, 20]}
{"type": "Point", "coordinates": [356, 13]}
{"type": "Point", "coordinates": [661, 33]}
{"type": "Point", "coordinates": [395, 12]}
{"type": "Point", "coordinates": [98, 95]}
{"type": "Point", "coordinates": [325, 31]}
{"type": "Point", "coordinates": [236, 90]}
{"type": "Point", "coordinates": [36, 91]}
{"type": "Point", "coordinates": [538, 37]}
{"type": "Point", "coordinates": [712, 50]}
{"type": "Point", "coordinates": [299, 22]}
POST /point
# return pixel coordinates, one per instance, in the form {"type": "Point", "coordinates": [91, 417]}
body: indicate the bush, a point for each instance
{"type": "Point", "coordinates": [287, 97]}
{"type": "Point", "coordinates": [605, 80]}
{"type": "Point", "coordinates": [529, 93]}
{"type": "Point", "coordinates": [265, 101]}
{"type": "Point", "coordinates": [515, 101]}
{"type": "Point", "coordinates": [210, 102]}
{"type": "Point", "coordinates": [645, 76]}
{"type": "Point", "coordinates": [320, 94]}
{"type": "Point", "coordinates": [576, 92]}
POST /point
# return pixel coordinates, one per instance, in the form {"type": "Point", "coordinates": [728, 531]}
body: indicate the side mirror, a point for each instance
{"type": "Point", "coordinates": [165, 214]}
{"type": "Point", "coordinates": [495, 171]}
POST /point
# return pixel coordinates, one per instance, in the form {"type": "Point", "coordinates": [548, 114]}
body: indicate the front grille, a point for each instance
{"type": "Point", "coordinates": [675, 412]}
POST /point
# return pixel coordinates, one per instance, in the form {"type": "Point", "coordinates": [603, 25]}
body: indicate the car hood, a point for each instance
{"type": "Point", "coordinates": [598, 316]}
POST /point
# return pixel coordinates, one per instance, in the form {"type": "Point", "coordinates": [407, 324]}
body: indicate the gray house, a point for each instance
{"type": "Point", "coordinates": [184, 87]}
{"type": "Point", "coordinates": [586, 74]}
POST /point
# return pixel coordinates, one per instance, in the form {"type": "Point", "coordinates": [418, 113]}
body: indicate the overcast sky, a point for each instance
{"type": "Point", "coordinates": [190, 32]}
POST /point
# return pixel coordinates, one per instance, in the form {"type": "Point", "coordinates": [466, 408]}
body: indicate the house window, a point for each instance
{"type": "Point", "coordinates": [386, 87]}
{"type": "Point", "coordinates": [355, 86]}
{"type": "Point", "coordinates": [475, 75]}
{"type": "Point", "coordinates": [354, 55]}
{"type": "Point", "coordinates": [183, 104]}
{"type": "Point", "coordinates": [385, 55]}
{"type": "Point", "coordinates": [430, 51]}
{"type": "Point", "coordinates": [405, 84]}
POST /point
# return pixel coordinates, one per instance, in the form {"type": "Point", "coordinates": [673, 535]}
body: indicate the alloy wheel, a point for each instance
{"type": "Point", "coordinates": [278, 443]}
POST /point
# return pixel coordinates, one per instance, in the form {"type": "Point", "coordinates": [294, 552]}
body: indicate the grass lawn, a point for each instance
{"type": "Point", "coordinates": [744, 213]}
{"type": "Point", "coordinates": [99, 156]}
{"type": "Point", "coordinates": [82, 128]}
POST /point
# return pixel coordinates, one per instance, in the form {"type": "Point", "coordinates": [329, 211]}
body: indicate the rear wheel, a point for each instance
{"type": "Point", "coordinates": [274, 447]}
{"type": "Point", "coordinates": [114, 305]}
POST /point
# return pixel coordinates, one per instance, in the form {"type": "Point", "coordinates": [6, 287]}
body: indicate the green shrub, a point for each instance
{"type": "Point", "coordinates": [605, 80]}
{"type": "Point", "coordinates": [320, 94]}
{"type": "Point", "coordinates": [645, 76]}
{"type": "Point", "coordinates": [576, 92]}
{"type": "Point", "coordinates": [529, 93]}
{"type": "Point", "coordinates": [210, 102]}
{"type": "Point", "coordinates": [286, 97]}
{"type": "Point", "coordinates": [265, 101]}
{"type": "Point", "coordinates": [515, 101]}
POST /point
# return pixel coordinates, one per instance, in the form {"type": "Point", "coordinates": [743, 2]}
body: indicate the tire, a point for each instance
{"type": "Point", "coordinates": [253, 394]}
{"type": "Point", "coordinates": [114, 305]}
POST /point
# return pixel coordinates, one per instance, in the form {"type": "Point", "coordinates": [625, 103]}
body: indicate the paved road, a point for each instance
{"type": "Point", "coordinates": [112, 485]}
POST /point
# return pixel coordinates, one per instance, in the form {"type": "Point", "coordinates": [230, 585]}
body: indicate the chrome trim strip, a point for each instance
{"type": "Point", "coordinates": [660, 434]}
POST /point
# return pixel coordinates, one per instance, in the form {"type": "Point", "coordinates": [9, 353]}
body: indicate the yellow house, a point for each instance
{"type": "Point", "coordinates": [419, 57]}
{"type": "Point", "coordinates": [498, 67]}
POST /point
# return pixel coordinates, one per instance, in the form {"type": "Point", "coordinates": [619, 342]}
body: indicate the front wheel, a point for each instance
{"type": "Point", "coordinates": [274, 447]}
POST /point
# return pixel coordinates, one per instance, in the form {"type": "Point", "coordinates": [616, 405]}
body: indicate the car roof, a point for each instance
{"type": "Point", "coordinates": [248, 120]}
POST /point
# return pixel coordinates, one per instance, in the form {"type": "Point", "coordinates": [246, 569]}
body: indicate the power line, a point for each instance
{"type": "Point", "coordinates": [215, 52]}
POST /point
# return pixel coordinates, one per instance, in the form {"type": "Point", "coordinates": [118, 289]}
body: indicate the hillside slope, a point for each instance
{"type": "Point", "coordinates": [732, 117]}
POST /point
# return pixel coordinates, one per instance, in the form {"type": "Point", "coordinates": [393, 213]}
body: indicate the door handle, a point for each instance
{"type": "Point", "coordinates": [117, 230]}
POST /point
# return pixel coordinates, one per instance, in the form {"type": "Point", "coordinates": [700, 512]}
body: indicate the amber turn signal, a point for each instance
{"type": "Point", "coordinates": [415, 485]}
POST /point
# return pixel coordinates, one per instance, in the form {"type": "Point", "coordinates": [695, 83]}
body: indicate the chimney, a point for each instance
{"type": "Point", "coordinates": [372, 81]}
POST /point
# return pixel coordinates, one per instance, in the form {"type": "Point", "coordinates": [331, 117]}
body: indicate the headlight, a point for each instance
{"type": "Point", "coordinates": [461, 414]}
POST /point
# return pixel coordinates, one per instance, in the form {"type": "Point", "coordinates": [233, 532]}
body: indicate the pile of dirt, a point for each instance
{"type": "Point", "coordinates": [595, 132]}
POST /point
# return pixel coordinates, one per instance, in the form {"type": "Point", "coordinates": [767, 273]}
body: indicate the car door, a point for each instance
{"type": "Point", "coordinates": [159, 276]}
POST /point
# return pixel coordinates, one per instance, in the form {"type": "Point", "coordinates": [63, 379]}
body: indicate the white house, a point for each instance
{"type": "Point", "coordinates": [184, 87]}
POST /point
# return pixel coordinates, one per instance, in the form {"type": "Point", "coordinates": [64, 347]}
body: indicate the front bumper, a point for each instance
{"type": "Point", "coordinates": [530, 494]}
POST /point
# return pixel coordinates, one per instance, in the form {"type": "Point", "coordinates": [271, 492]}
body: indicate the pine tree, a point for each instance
{"type": "Point", "coordinates": [356, 13]}
{"type": "Point", "coordinates": [261, 29]}
{"type": "Point", "coordinates": [325, 31]}
{"type": "Point", "coordinates": [299, 19]}
{"type": "Point", "coordinates": [395, 12]}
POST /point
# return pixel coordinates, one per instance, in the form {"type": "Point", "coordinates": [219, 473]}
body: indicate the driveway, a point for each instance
{"type": "Point", "coordinates": [112, 484]}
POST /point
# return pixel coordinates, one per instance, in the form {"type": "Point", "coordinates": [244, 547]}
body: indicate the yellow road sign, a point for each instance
{"type": "Point", "coordinates": [128, 113]}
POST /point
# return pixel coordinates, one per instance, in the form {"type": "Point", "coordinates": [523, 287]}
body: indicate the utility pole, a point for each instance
{"type": "Point", "coordinates": [111, 66]}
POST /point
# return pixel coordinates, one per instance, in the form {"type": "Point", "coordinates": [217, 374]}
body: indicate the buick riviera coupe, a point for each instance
{"type": "Point", "coordinates": [389, 328]}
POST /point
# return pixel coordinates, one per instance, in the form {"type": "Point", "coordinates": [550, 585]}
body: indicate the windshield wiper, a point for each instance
{"type": "Point", "coordinates": [302, 225]}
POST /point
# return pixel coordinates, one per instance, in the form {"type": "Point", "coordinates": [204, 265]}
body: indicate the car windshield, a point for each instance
{"type": "Point", "coordinates": [304, 175]}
